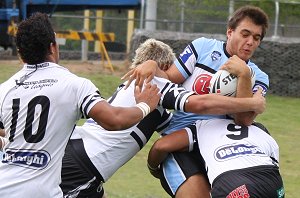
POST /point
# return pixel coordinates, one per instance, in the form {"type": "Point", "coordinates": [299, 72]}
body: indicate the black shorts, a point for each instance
{"type": "Point", "coordinates": [80, 177]}
{"type": "Point", "coordinates": [254, 182]}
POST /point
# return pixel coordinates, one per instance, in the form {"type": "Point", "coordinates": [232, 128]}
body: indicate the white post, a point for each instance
{"type": "Point", "coordinates": [275, 36]}
{"type": "Point", "coordinates": [151, 10]}
{"type": "Point", "coordinates": [231, 8]}
{"type": "Point", "coordinates": [84, 43]}
{"type": "Point", "coordinates": [142, 13]}
{"type": "Point", "coordinates": [182, 16]}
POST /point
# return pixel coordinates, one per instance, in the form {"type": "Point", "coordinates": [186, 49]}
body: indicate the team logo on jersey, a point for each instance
{"type": "Point", "coordinates": [27, 158]}
{"type": "Point", "coordinates": [215, 55]}
{"type": "Point", "coordinates": [187, 56]}
{"type": "Point", "coordinates": [201, 84]}
{"type": "Point", "coordinates": [232, 151]}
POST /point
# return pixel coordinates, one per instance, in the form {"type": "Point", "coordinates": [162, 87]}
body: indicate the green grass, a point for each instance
{"type": "Point", "coordinates": [133, 180]}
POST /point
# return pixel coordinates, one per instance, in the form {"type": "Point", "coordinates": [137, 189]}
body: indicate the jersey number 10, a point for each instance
{"type": "Point", "coordinates": [43, 119]}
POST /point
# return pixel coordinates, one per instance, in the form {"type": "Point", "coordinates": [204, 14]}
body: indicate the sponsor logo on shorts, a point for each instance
{"type": "Point", "coordinates": [231, 151]}
{"type": "Point", "coordinates": [27, 158]}
{"type": "Point", "coordinates": [239, 192]}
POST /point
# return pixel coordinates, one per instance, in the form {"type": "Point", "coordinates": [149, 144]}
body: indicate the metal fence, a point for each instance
{"type": "Point", "coordinates": [182, 16]}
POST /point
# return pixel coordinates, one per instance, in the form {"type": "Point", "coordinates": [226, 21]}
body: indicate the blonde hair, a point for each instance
{"type": "Point", "coordinates": [153, 49]}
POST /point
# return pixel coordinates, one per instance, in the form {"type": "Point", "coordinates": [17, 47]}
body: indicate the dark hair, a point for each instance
{"type": "Point", "coordinates": [257, 15]}
{"type": "Point", "coordinates": [33, 38]}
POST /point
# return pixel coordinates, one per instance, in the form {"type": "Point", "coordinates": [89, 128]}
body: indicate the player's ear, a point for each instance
{"type": "Point", "coordinates": [229, 32]}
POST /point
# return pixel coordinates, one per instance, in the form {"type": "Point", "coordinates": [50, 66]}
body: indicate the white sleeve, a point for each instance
{"type": "Point", "coordinates": [191, 138]}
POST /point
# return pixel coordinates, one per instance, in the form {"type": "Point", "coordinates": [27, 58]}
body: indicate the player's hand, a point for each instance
{"type": "Point", "coordinates": [150, 95]}
{"type": "Point", "coordinates": [236, 66]}
{"type": "Point", "coordinates": [260, 101]}
{"type": "Point", "coordinates": [143, 72]}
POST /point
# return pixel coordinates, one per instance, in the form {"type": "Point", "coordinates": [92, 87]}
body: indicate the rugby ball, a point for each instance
{"type": "Point", "coordinates": [225, 83]}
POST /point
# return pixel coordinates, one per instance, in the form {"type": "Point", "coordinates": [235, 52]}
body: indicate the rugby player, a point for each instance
{"type": "Point", "coordinates": [241, 161]}
{"type": "Point", "coordinates": [40, 106]}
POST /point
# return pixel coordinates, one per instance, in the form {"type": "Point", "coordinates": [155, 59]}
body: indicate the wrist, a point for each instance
{"type": "Point", "coordinates": [144, 107]}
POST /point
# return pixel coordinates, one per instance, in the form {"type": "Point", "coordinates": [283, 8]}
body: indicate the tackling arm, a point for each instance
{"type": "Point", "coordinates": [119, 118]}
{"type": "Point", "coordinates": [217, 104]}
{"type": "Point", "coordinates": [176, 141]}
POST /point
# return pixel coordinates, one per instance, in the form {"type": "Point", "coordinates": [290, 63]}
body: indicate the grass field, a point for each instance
{"type": "Point", "coordinates": [282, 118]}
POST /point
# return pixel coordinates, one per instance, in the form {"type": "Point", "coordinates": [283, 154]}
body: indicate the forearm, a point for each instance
{"type": "Point", "coordinates": [125, 118]}
{"type": "Point", "coordinates": [116, 118]}
{"type": "Point", "coordinates": [156, 156]}
{"type": "Point", "coordinates": [220, 105]}
{"type": "Point", "coordinates": [244, 90]}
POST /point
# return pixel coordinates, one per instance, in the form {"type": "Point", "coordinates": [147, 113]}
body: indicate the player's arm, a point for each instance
{"type": "Point", "coordinates": [177, 97]}
{"type": "Point", "coordinates": [238, 67]}
{"type": "Point", "coordinates": [176, 141]}
{"type": "Point", "coordinates": [217, 104]}
{"type": "Point", "coordinates": [148, 69]}
{"type": "Point", "coordinates": [3, 140]}
{"type": "Point", "coordinates": [118, 118]}
{"type": "Point", "coordinates": [2, 132]}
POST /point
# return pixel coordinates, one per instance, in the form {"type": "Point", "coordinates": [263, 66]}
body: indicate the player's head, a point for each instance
{"type": "Point", "coordinates": [153, 49]}
{"type": "Point", "coordinates": [245, 30]}
{"type": "Point", "coordinates": [35, 39]}
{"type": "Point", "coordinates": [255, 14]}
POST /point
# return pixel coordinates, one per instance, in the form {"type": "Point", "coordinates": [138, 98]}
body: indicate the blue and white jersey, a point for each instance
{"type": "Point", "coordinates": [40, 106]}
{"type": "Point", "coordinates": [197, 63]}
{"type": "Point", "coordinates": [232, 147]}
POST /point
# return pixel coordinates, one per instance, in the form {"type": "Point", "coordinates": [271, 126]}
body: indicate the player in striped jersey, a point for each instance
{"type": "Point", "coordinates": [40, 106]}
{"type": "Point", "coordinates": [241, 161]}
{"type": "Point", "coordinates": [94, 154]}
{"type": "Point", "coordinates": [194, 68]}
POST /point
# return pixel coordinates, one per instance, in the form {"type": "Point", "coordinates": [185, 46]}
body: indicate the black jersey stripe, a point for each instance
{"type": "Point", "coordinates": [184, 67]}
{"type": "Point", "coordinates": [86, 107]}
{"type": "Point", "coordinates": [206, 68]}
{"type": "Point", "coordinates": [137, 139]}
{"type": "Point", "coordinates": [194, 50]}
{"type": "Point", "coordinates": [261, 83]}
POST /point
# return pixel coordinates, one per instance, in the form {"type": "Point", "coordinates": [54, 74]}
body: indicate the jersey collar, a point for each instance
{"type": "Point", "coordinates": [40, 65]}
{"type": "Point", "coordinates": [227, 54]}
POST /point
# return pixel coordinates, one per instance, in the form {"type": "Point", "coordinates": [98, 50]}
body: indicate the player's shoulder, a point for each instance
{"type": "Point", "coordinates": [202, 45]}
{"type": "Point", "coordinates": [206, 41]}
{"type": "Point", "coordinates": [76, 81]}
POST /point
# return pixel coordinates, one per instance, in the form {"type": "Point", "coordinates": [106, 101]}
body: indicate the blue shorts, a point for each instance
{"type": "Point", "coordinates": [178, 167]}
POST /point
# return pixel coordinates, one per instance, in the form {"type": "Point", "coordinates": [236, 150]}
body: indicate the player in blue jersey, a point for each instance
{"type": "Point", "coordinates": [39, 107]}
{"type": "Point", "coordinates": [241, 161]}
{"type": "Point", "coordinates": [194, 68]}
{"type": "Point", "coordinates": [94, 154]}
